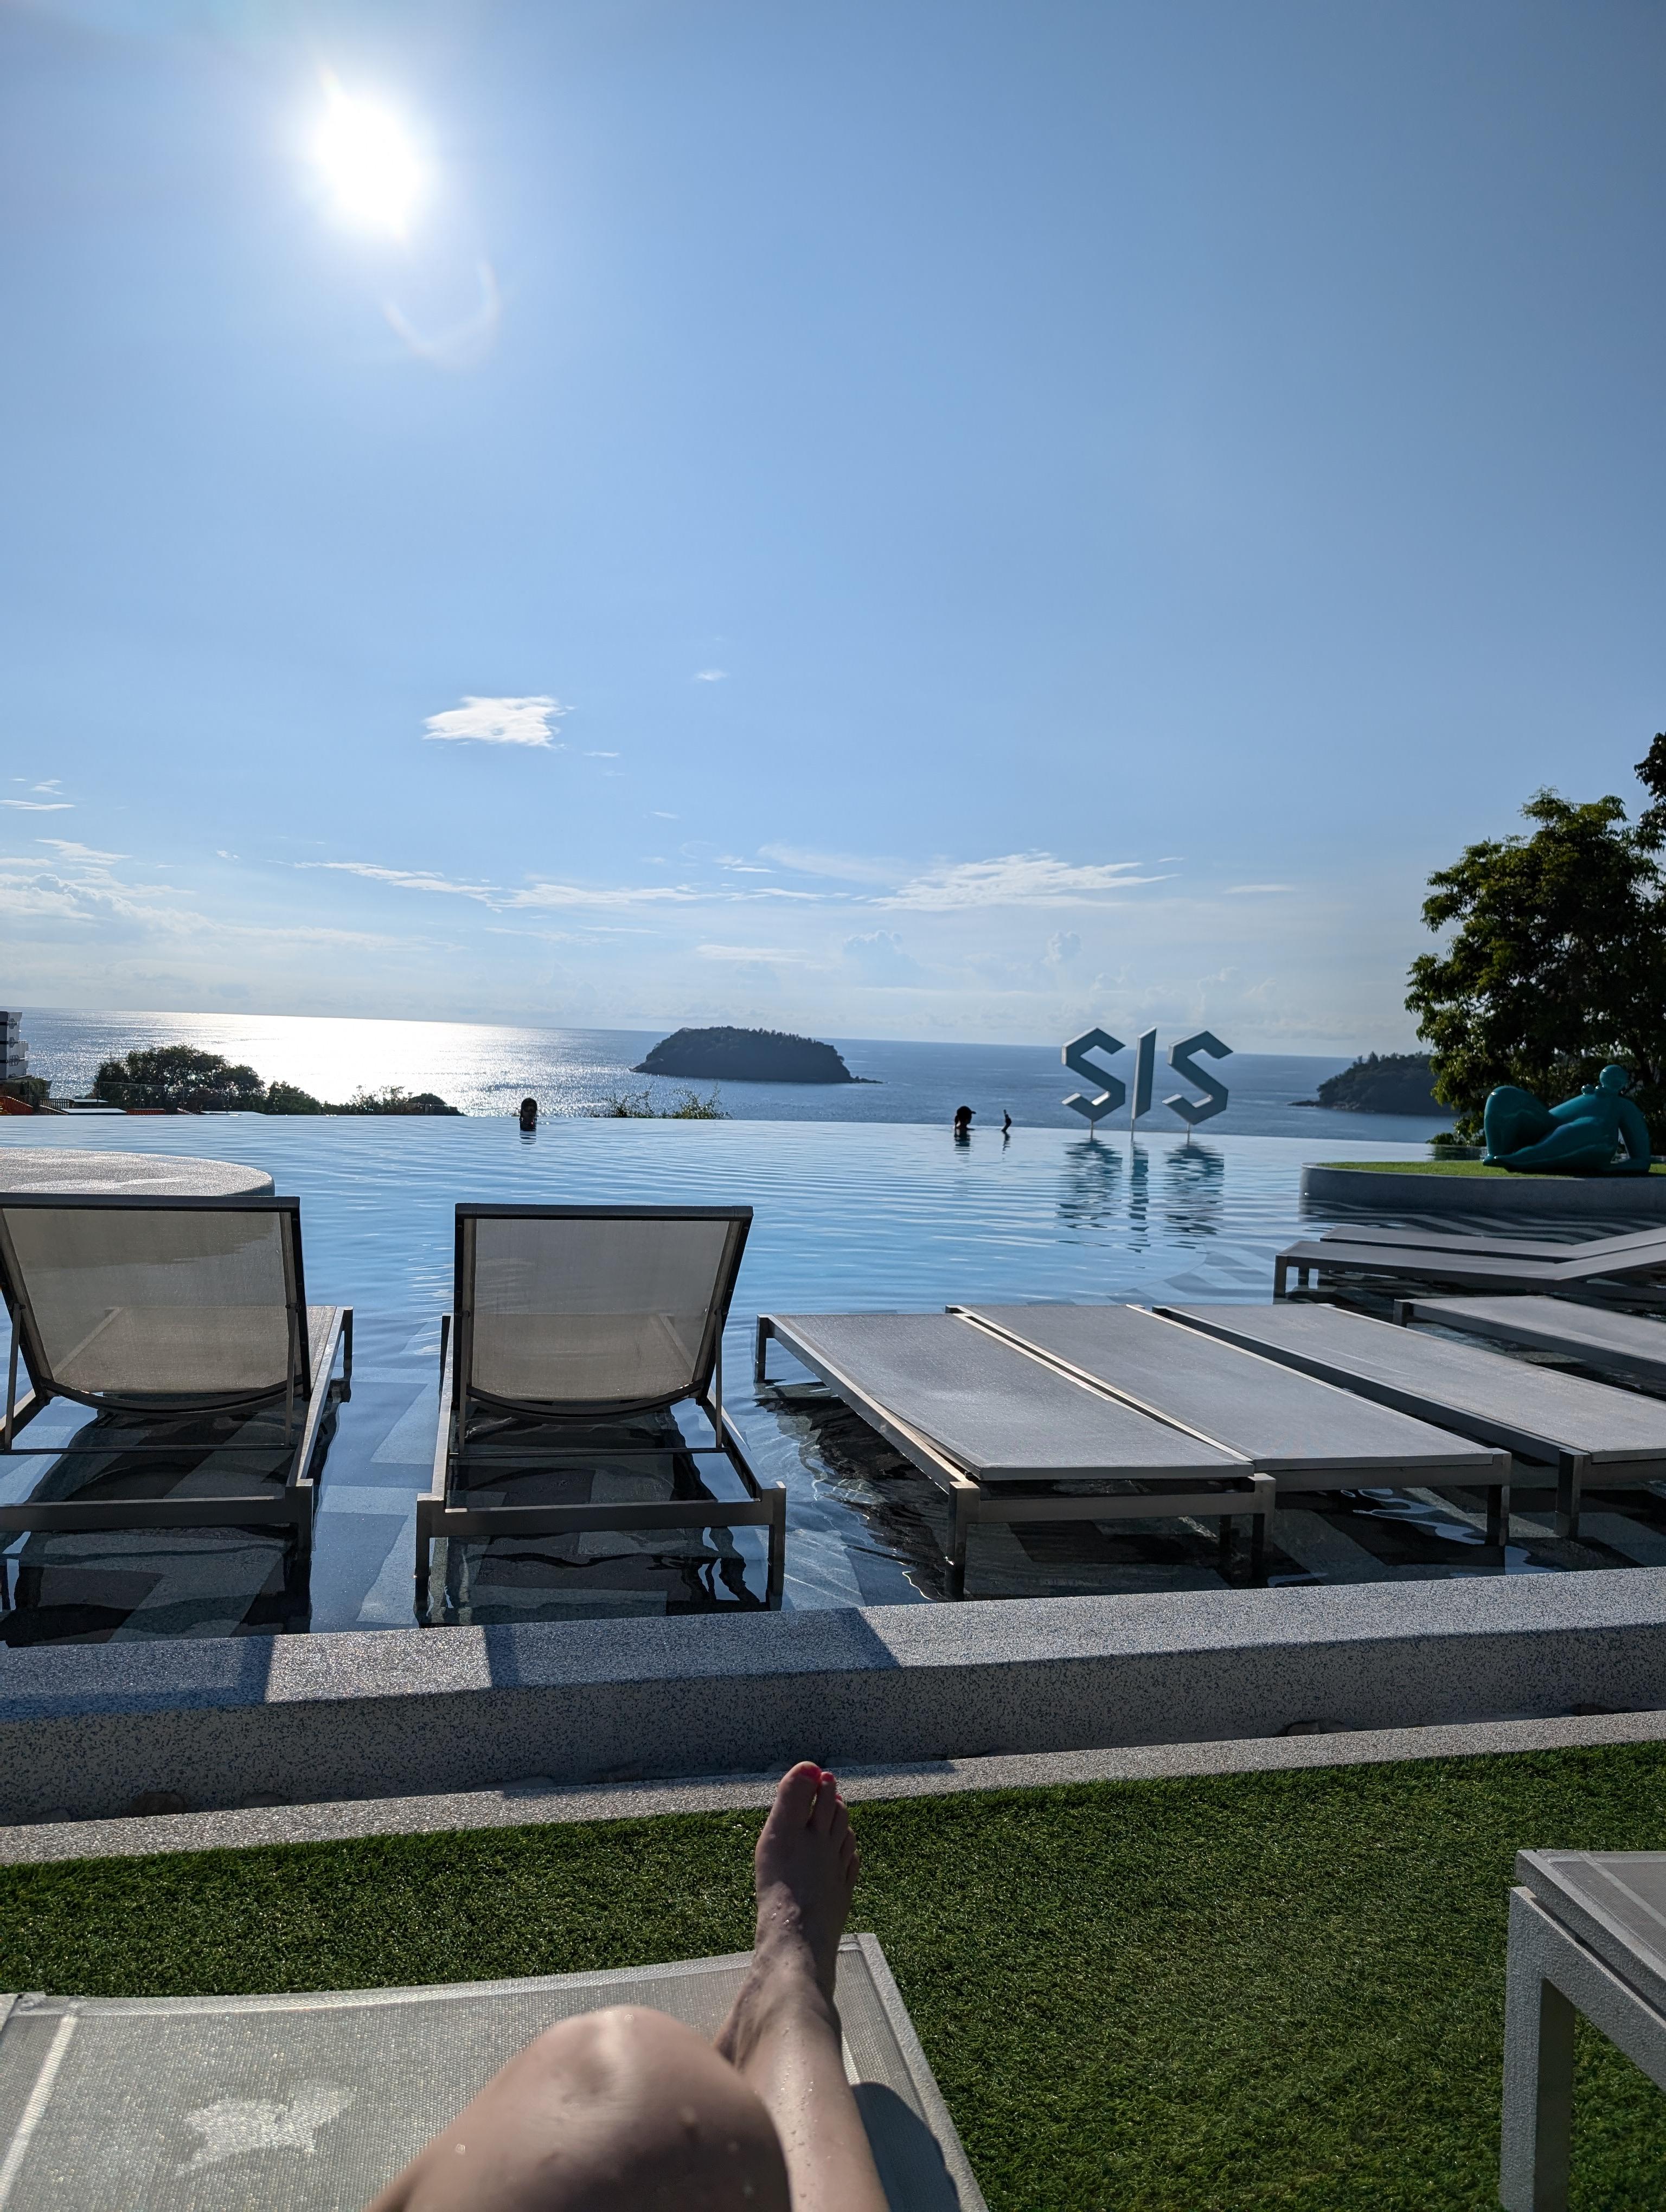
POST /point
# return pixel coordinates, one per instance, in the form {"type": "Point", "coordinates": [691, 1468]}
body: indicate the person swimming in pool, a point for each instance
{"type": "Point", "coordinates": [963, 1123]}
{"type": "Point", "coordinates": [630, 2110]}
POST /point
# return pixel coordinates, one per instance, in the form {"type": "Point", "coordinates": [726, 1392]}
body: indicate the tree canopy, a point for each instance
{"type": "Point", "coordinates": [1557, 961]}
{"type": "Point", "coordinates": [178, 1077]}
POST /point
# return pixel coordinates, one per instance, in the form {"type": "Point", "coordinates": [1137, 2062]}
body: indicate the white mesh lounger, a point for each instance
{"type": "Point", "coordinates": [1586, 1432]}
{"type": "Point", "coordinates": [1307, 1434]}
{"type": "Point", "coordinates": [995, 1426]}
{"type": "Point", "coordinates": [312, 2103]}
{"type": "Point", "coordinates": [183, 1323]}
{"type": "Point", "coordinates": [576, 1330]}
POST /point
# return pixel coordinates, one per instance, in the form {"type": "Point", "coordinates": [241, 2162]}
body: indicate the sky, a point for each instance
{"type": "Point", "coordinates": [930, 519]}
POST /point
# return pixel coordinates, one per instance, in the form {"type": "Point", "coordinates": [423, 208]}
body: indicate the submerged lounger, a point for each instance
{"type": "Point", "coordinates": [315, 2101]}
{"type": "Point", "coordinates": [1627, 1344]}
{"type": "Point", "coordinates": [1500, 1263]}
{"type": "Point", "coordinates": [1309, 1434]}
{"type": "Point", "coordinates": [1587, 1432]}
{"type": "Point", "coordinates": [975, 1415]}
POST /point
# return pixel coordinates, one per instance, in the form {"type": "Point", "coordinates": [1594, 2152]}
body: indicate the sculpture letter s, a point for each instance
{"type": "Point", "coordinates": [1076, 1059]}
{"type": "Point", "coordinates": [1180, 1059]}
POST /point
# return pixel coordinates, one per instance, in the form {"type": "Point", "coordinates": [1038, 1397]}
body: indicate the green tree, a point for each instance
{"type": "Point", "coordinates": [1557, 961]}
{"type": "Point", "coordinates": [177, 1075]}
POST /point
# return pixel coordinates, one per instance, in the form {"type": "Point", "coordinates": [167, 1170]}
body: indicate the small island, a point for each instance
{"type": "Point", "coordinates": [1386, 1083]}
{"type": "Point", "coordinates": [732, 1055]}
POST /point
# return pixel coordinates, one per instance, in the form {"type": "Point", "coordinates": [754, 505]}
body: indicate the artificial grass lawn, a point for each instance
{"type": "Point", "coordinates": [1462, 1168]}
{"type": "Point", "coordinates": [1263, 1990]}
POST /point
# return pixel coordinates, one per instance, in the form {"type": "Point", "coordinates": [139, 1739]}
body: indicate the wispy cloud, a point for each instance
{"type": "Point", "coordinates": [740, 867]}
{"type": "Point", "coordinates": [711, 675]}
{"type": "Point", "coordinates": [38, 805]}
{"type": "Point", "coordinates": [601, 756]}
{"type": "Point", "coordinates": [1017, 879]}
{"type": "Point", "coordinates": [503, 898]}
{"type": "Point", "coordinates": [499, 722]}
{"type": "Point", "coordinates": [769, 952]}
{"type": "Point", "coordinates": [660, 815]}
{"type": "Point", "coordinates": [67, 849]}
{"type": "Point", "coordinates": [1247, 890]}
{"type": "Point", "coordinates": [51, 786]}
{"type": "Point", "coordinates": [879, 958]}
{"type": "Point", "coordinates": [842, 867]}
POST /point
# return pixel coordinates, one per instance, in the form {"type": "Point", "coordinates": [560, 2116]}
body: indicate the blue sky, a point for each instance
{"type": "Point", "coordinates": [965, 519]}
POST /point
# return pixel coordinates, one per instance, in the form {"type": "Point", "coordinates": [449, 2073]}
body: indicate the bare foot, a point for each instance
{"type": "Point", "coordinates": [805, 1867]}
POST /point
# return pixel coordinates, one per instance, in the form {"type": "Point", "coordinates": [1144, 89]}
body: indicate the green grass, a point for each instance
{"type": "Point", "coordinates": [1275, 1990]}
{"type": "Point", "coordinates": [1459, 1168]}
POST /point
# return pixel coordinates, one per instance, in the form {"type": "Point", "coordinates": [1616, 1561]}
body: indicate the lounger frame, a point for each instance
{"type": "Point", "coordinates": [443, 1512]}
{"type": "Point", "coordinates": [975, 1504]}
{"type": "Point", "coordinates": [312, 1388]}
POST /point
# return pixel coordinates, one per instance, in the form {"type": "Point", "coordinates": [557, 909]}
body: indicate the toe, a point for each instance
{"type": "Point", "coordinates": [827, 1804]}
{"type": "Point", "coordinates": [796, 1792]}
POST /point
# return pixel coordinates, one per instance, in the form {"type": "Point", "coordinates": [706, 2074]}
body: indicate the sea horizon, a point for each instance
{"type": "Point", "coordinates": [488, 1067]}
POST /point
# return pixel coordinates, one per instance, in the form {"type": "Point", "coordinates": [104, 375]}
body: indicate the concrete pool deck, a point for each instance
{"type": "Point", "coordinates": [87, 1730]}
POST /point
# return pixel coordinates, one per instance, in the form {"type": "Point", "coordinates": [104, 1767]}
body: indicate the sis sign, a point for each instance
{"type": "Point", "coordinates": [1094, 1108]}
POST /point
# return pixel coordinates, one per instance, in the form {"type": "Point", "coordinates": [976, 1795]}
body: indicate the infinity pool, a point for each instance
{"type": "Point", "coordinates": [847, 1216]}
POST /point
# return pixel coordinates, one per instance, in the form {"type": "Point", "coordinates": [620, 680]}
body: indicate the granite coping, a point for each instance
{"type": "Point", "coordinates": [57, 1681]}
{"type": "Point", "coordinates": [43, 1169]}
{"type": "Point", "coordinates": [87, 1729]}
{"type": "Point", "coordinates": [1387, 1195]}
{"type": "Point", "coordinates": [534, 1800]}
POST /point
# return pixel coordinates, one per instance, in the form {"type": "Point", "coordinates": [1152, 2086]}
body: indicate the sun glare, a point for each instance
{"type": "Point", "coordinates": [368, 162]}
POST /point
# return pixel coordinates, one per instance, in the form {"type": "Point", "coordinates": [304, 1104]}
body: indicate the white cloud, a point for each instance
{"type": "Point", "coordinates": [711, 676]}
{"type": "Point", "coordinates": [1246, 891]}
{"type": "Point", "coordinates": [660, 815]}
{"type": "Point", "coordinates": [499, 722]}
{"type": "Point", "coordinates": [879, 958]}
{"type": "Point", "coordinates": [68, 849]}
{"type": "Point", "coordinates": [740, 867]}
{"type": "Point", "coordinates": [1062, 947]}
{"type": "Point", "coordinates": [601, 756]}
{"type": "Point", "coordinates": [1016, 880]}
{"type": "Point", "coordinates": [499, 897]}
{"type": "Point", "coordinates": [38, 805]}
{"type": "Point", "coordinates": [842, 867]}
{"type": "Point", "coordinates": [51, 786]}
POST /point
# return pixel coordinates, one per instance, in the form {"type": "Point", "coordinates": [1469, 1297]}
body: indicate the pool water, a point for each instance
{"type": "Point", "coordinates": [847, 1216]}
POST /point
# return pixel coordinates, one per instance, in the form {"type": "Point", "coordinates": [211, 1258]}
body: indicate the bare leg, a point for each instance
{"type": "Point", "coordinates": [625, 2111]}
{"type": "Point", "coordinates": [783, 2034]}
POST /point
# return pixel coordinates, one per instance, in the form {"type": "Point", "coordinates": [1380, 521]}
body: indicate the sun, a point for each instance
{"type": "Point", "coordinates": [374, 172]}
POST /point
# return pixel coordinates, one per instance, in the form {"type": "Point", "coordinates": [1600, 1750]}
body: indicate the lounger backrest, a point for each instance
{"type": "Point", "coordinates": [128, 1301]}
{"type": "Point", "coordinates": [591, 1307]}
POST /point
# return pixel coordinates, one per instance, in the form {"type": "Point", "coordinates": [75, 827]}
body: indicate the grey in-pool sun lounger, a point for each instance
{"type": "Point", "coordinates": [1628, 1346]}
{"type": "Point", "coordinates": [1586, 1432]}
{"type": "Point", "coordinates": [315, 2101]}
{"type": "Point", "coordinates": [183, 1324]}
{"type": "Point", "coordinates": [1481, 1263]}
{"type": "Point", "coordinates": [996, 1427]}
{"type": "Point", "coordinates": [577, 1330]}
{"type": "Point", "coordinates": [1308, 1434]}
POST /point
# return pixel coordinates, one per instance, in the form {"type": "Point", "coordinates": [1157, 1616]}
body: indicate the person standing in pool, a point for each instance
{"type": "Point", "coordinates": [1006, 1125]}
{"type": "Point", "coordinates": [963, 1124]}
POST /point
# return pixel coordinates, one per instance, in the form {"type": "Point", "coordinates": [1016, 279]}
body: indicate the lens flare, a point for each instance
{"type": "Point", "coordinates": [374, 172]}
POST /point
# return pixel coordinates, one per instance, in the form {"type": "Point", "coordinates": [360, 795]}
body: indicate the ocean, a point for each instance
{"type": "Point", "coordinates": [487, 1068]}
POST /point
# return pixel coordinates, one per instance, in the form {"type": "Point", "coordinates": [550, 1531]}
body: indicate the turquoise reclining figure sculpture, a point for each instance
{"type": "Point", "coordinates": [1580, 1137]}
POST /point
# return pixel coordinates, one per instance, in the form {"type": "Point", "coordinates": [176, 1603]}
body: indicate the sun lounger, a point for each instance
{"type": "Point", "coordinates": [1480, 1265]}
{"type": "Point", "coordinates": [1586, 1936]}
{"type": "Point", "coordinates": [995, 1426]}
{"type": "Point", "coordinates": [577, 1331]}
{"type": "Point", "coordinates": [1633, 1247]}
{"type": "Point", "coordinates": [1628, 1346]}
{"type": "Point", "coordinates": [1308, 1434]}
{"type": "Point", "coordinates": [315, 2101]}
{"type": "Point", "coordinates": [183, 1323]}
{"type": "Point", "coordinates": [1588, 1432]}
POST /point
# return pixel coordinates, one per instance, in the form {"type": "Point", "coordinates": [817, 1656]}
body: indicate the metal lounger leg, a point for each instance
{"type": "Point", "coordinates": [1258, 1547]}
{"type": "Point", "coordinates": [760, 1348]}
{"type": "Point", "coordinates": [965, 1499]}
{"type": "Point", "coordinates": [1223, 1548]}
{"type": "Point", "coordinates": [1538, 2090]}
{"type": "Point", "coordinates": [1497, 1514]}
{"type": "Point", "coordinates": [1281, 1278]}
{"type": "Point", "coordinates": [777, 1547]}
{"type": "Point", "coordinates": [1569, 1482]}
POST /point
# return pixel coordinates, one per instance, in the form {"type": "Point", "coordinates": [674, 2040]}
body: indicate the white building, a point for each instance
{"type": "Point", "coordinates": [13, 1052]}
